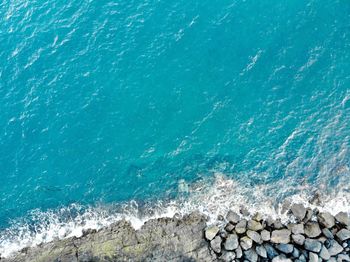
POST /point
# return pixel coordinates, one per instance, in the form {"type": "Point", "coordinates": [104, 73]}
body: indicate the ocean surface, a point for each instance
{"type": "Point", "coordinates": [145, 108]}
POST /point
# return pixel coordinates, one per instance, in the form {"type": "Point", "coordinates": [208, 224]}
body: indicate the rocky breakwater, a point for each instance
{"type": "Point", "coordinates": [313, 236]}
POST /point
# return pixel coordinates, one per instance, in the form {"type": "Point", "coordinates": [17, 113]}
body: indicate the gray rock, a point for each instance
{"type": "Point", "coordinates": [281, 258]}
{"type": "Point", "coordinates": [254, 225]}
{"type": "Point", "coordinates": [215, 244]}
{"type": "Point", "coordinates": [254, 236]}
{"type": "Point", "coordinates": [308, 216]}
{"type": "Point", "coordinates": [302, 258]}
{"type": "Point", "coordinates": [251, 255]}
{"type": "Point", "coordinates": [343, 234]}
{"type": "Point", "coordinates": [299, 211]}
{"type": "Point", "coordinates": [334, 248]}
{"type": "Point", "coordinates": [229, 227]}
{"type": "Point", "coordinates": [327, 233]}
{"type": "Point", "coordinates": [265, 235]}
{"type": "Point", "coordinates": [343, 257]}
{"type": "Point", "coordinates": [324, 254]}
{"type": "Point", "coordinates": [246, 243]}
{"type": "Point", "coordinates": [281, 236]}
{"type": "Point", "coordinates": [228, 256]}
{"type": "Point", "coordinates": [312, 245]}
{"type": "Point", "coordinates": [232, 217]}
{"type": "Point", "coordinates": [343, 218]}
{"type": "Point", "coordinates": [326, 219]}
{"type": "Point", "coordinates": [241, 227]}
{"type": "Point", "coordinates": [261, 251]}
{"type": "Point", "coordinates": [296, 253]}
{"type": "Point", "coordinates": [270, 250]}
{"type": "Point", "coordinates": [285, 248]}
{"type": "Point", "coordinates": [239, 252]}
{"type": "Point", "coordinates": [296, 228]}
{"type": "Point", "coordinates": [313, 257]}
{"type": "Point", "coordinates": [277, 224]}
{"type": "Point", "coordinates": [244, 211]}
{"type": "Point", "coordinates": [211, 232]}
{"type": "Point", "coordinates": [231, 242]}
{"type": "Point", "coordinates": [257, 217]}
{"type": "Point", "coordinates": [312, 229]}
{"type": "Point", "coordinates": [298, 239]}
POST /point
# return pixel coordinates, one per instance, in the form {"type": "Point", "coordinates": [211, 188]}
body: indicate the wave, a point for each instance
{"type": "Point", "coordinates": [212, 197]}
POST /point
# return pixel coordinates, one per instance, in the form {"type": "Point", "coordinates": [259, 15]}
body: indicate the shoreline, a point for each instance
{"type": "Point", "coordinates": [310, 235]}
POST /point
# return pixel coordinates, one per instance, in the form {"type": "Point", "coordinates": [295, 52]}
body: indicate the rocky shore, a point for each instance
{"type": "Point", "coordinates": [310, 236]}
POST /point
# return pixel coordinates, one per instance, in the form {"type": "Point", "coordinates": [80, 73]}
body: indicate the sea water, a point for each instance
{"type": "Point", "coordinates": [146, 108]}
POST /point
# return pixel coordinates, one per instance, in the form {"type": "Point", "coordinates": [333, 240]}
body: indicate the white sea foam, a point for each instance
{"type": "Point", "coordinates": [212, 197]}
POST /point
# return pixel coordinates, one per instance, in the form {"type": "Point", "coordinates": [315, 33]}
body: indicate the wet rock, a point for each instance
{"type": "Point", "coordinates": [231, 242]}
{"type": "Point", "coordinates": [228, 256]}
{"type": "Point", "coordinates": [324, 254]}
{"type": "Point", "coordinates": [251, 255]}
{"type": "Point", "coordinates": [258, 217]}
{"type": "Point", "coordinates": [241, 227]}
{"type": "Point", "coordinates": [313, 257]}
{"type": "Point", "coordinates": [326, 219]}
{"type": "Point", "coordinates": [277, 224]}
{"type": "Point", "coordinates": [343, 218]}
{"type": "Point", "coordinates": [308, 216]}
{"type": "Point", "coordinates": [281, 236]}
{"type": "Point", "coordinates": [271, 251]}
{"type": "Point", "coordinates": [298, 239]}
{"type": "Point", "coordinates": [312, 245]}
{"type": "Point", "coordinates": [296, 228]}
{"type": "Point", "coordinates": [296, 253]}
{"type": "Point", "coordinates": [285, 248]}
{"type": "Point", "coordinates": [244, 211]}
{"type": "Point", "coordinates": [211, 232]}
{"type": "Point", "coordinates": [343, 257]}
{"type": "Point", "coordinates": [334, 248]}
{"type": "Point", "coordinates": [327, 233]}
{"type": "Point", "coordinates": [261, 251]}
{"type": "Point", "coordinates": [312, 229]}
{"type": "Point", "coordinates": [215, 244]}
{"type": "Point", "coordinates": [254, 236]}
{"type": "Point", "coordinates": [254, 225]}
{"type": "Point", "coordinates": [246, 243]}
{"type": "Point", "coordinates": [343, 234]}
{"type": "Point", "coordinates": [232, 217]}
{"type": "Point", "coordinates": [281, 258]}
{"type": "Point", "coordinates": [229, 227]}
{"type": "Point", "coordinates": [265, 235]}
{"type": "Point", "coordinates": [299, 211]}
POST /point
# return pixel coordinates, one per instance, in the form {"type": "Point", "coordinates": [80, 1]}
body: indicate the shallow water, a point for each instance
{"type": "Point", "coordinates": [133, 108]}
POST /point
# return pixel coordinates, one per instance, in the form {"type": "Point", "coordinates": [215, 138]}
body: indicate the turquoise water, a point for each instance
{"type": "Point", "coordinates": [105, 102]}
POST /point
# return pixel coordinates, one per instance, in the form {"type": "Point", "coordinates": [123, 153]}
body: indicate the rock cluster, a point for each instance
{"type": "Point", "coordinates": [314, 236]}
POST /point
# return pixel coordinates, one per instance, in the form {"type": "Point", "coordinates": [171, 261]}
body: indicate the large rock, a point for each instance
{"type": "Point", "coordinates": [241, 227]}
{"type": "Point", "coordinates": [254, 225]}
{"type": "Point", "coordinates": [326, 219]}
{"type": "Point", "coordinates": [296, 228]}
{"type": "Point", "coordinates": [254, 236]}
{"type": "Point", "coordinates": [261, 251]}
{"type": "Point", "coordinates": [343, 234]}
{"type": "Point", "coordinates": [285, 248]}
{"type": "Point", "coordinates": [312, 245]}
{"type": "Point", "coordinates": [231, 242]}
{"type": "Point", "coordinates": [265, 235]}
{"type": "Point", "coordinates": [165, 239]}
{"type": "Point", "coordinates": [228, 256]}
{"type": "Point", "coordinates": [281, 236]}
{"type": "Point", "coordinates": [313, 257]}
{"type": "Point", "coordinates": [299, 211]}
{"type": "Point", "coordinates": [215, 244]}
{"type": "Point", "coordinates": [312, 229]}
{"type": "Point", "coordinates": [281, 258]}
{"type": "Point", "coordinates": [271, 251]}
{"type": "Point", "coordinates": [343, 218]}
{"type": "Point", "coordinates": [232, 217]}
{"type": "Point", "coordinates": [327, 233]}
{"type": "Point", "coordinates": [324, 254]}
{"type": "Point", "coordinates": [298, 239]}
{"type": "Point", "coordinates": [334, 248]}
{"type": "Point", "coordinates": [211, 232]}
{"type": "Point", "coordinates": [246, 243]}
{"type": "Point", "coordinates": [251, 255]}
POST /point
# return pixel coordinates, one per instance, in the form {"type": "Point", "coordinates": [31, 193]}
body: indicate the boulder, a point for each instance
{"type": "Point", "coordinates": [229, 227]}
{"type": "Point", "coordinates": [246, 243]}
{"type": "Point", "coordinates": [254, 225]}
{"type": "Point", "coordinates": [326, 219]}
{"type": "Point", "coordinates": [254, 236]}
{"type": "Point", "coordinates": [228, 256]}
{"type": "Point", "coordinates": [296, 228]}
{"type": "Point", "coordinates": [231, 242]}
{"type": "Point", "coordinates": [324, 254]}
{"type": "Point", "coordinates": [241, 227]}
{"type": "Point", "coordinates": [343, 257]}
{"type": "Point", "coordinates": [312, 245]}
{"type": "Point", "coordinates": [308, 216]}
{"type": "Point", "coordinates": [215, 244]}
{"type": "Point", "coordinates": [271, 251]}
{"type": "Point", "coordinates": [281, 236]}
{"type": "Point", "coordinates": [261, 251]}
{"type": "Point", "coordinates": [232, 217]}
{"type": "Point", "coordinates": [281, 258]}
{"type": "Point", "coordinates": [265, 235]}
{"type": "Point", "coordinates": [299, 211]}
{"type": "Point", "coordinates": [211, 232]}
{"type": "Point", "coordinates": [257, 217]}
{"type": "Point", "coordinates": [343, 234]}
{"type": "Point", "coordinates": [343, 218]}
{"type": "Point", "coordinates": [312, 229]}
{"type": "Point", "coordinates": [285, 248]}
{"type": "Point", "coordinates": [334, 248]}
{"type": "Point", "coordinates": [298, 239]}
{"type": "Point", "coordinates": [313, 257]}
{"type": "Point", "coordinates": [327, 233]}
{"type": "Point", "coordinates": [251, 255]}
{"type": "Point", "coordinates": [239, 252]}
